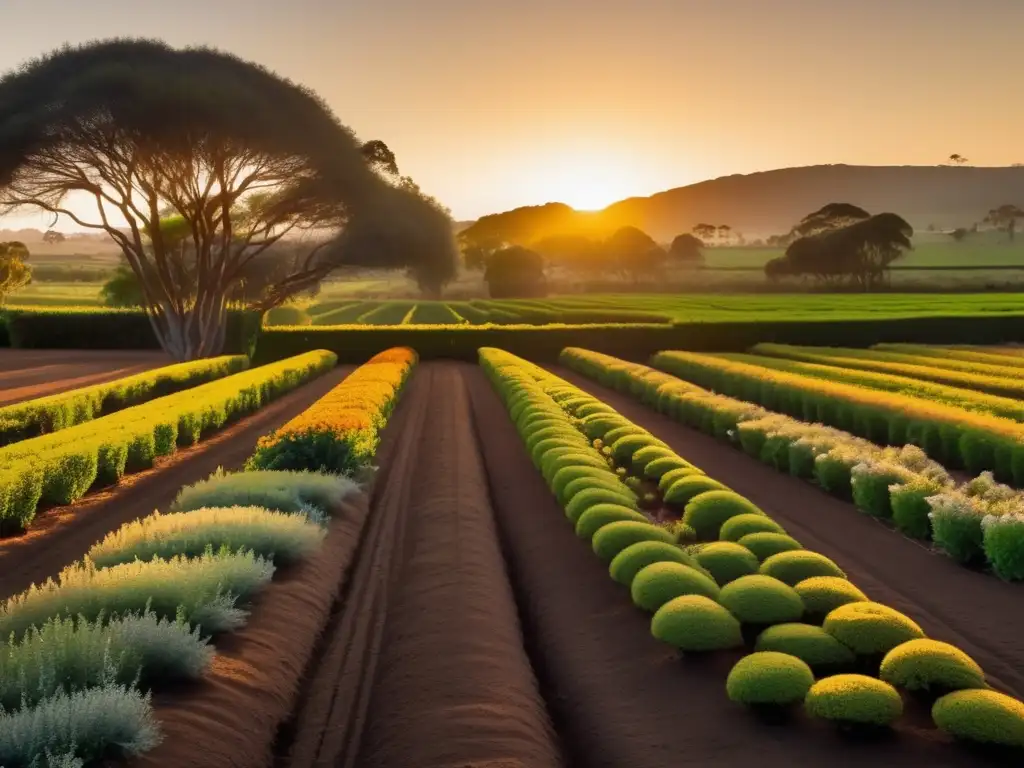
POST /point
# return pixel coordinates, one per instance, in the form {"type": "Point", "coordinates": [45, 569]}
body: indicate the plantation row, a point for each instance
{"type": "Point", "coordinates": [743, 582]}
{"type": "Point", "coordinates": [137, 614]}
{"type": "Point", "coordinates": [61, 467]}
{"type": "Point", "coordinates": [51, 414]}
{"type": "Point", "coordinates": [974, 523]}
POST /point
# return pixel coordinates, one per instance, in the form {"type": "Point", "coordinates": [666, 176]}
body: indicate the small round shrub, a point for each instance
{"type": "Point", "coordinates": [624, 448]}
{"type": "Point", "coordinates": [658, 468]}
{"type": "Point", "coordinates": [1003, 541]}
{"type": "Point", "coordinates": [769, 677]}
{"type": "Point", "coordinates": [684, 533]}
{"type": "Point", "coordinates": [696, 623]}
{"type": "Point", "coordinates": [594, 409]}
{"type": "Point", "coordinates": [611, 436]}
{"type": "Point", "coordinates": [568, 457]}
{"type": "Point", "coordinates": [634, 558]}
{"type": "Point", "coordinates": [547, 431]}
{"type": "Point", "coordinates": [600, 515]}
{"type": "Point", "coordinates": [706, 512]}
{"type": "Point", "coordinates": [982, 716]}
{"type": "Point", "coordinates": [794, 567]}
{"type": "Point", "coordinates": [598, 425]}
{"type": "Point", "coordinates": [657, 583]}
{"type": "Point", "coordinates": [735, 528]}
{"type": "Point", "coordinates": [870, 628]}
{"type": "Point", "coordinates": [765, 544]}
{"type": "Point", "coordinates": [823, 594]}
{"type": "Point", "coordinates": [646, 455]}
{"type": "Point", "coordinates": [928, 665]}
{"type": "Point", "coordinates": [812, 644]}
{"type": "Point", "coordinates": [551, 443]}
{"type": "Point", "coordinates": [681, 491]}
{"type": "Point", "coordinates": [584, 500]}
{"type": "Point", "coordinates": [727, 561]}
{"type": "Point", "coordinates": [604, 478]}
{"type": "Point", "coordinates": [672, 475]}
{"type": "Point", "coordinates": [854, 700]}
{"type": "Point", "coordinates": [615, 537]}
{"type": "Point", "coordinates": [563, 478]}
{"type": "Point", "coordinates": [760, 599]}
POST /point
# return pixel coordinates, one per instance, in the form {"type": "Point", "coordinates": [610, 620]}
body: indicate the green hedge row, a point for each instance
{"type": "Point", "coordinates": [354, 344]}
{"type": "Point", "coordinates": [100, 328]}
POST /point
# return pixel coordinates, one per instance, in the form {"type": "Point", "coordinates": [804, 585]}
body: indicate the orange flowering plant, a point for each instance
{"type": "Point", "coordinates": [339, 433]}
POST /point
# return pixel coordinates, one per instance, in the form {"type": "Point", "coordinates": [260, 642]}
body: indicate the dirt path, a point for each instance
{"type": "Point", "coordinates": [426, 666]}
{"type": "Point", "coordinates": [618, 697]}
{"type": "Point", "coordinates": [62, 535]}
{"type": "Point", "coordinates": [28, 374]}
{"type": "Point", "coordinates": [975, 611]}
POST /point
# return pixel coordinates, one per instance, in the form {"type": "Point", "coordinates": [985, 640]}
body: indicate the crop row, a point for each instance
{"type": "Point", "coordinates": [1003, 381]}
{"type": "Point", "coordinates": [817, 638]}
{"type": "Point", "coordinates": [59, 468]}
{"type": "Point", "coordinates": [339, 433]}
{"type": "Point", "coordinates": [977, 522]}
{"type": "Point", "coordinates": [55, 412]}
{"type": "Point", "coordinates": [136, 615]}
{"type": "Point", "coordinates": [953, 436]}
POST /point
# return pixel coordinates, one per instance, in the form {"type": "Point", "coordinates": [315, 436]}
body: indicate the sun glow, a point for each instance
{"type": "Point", "coordinates": [589, 181]}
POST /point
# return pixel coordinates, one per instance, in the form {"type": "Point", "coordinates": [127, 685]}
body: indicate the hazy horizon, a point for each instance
{"type": "Point", "coordinates": [491, 106]}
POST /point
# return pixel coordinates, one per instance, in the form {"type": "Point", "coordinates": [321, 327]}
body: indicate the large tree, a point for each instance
{"type": "Point", "coordinates": [14, 272]}
{"type": "Point", "coordinates": [687, 249]}
{"type": "Point", "coordinates": [515, 272]}
{"type": "Point", "coordinates": [828, 217]}
{"type": "Point", "coordinates": [142, 132]}
{"type": "Point", "coordinates": [1005, 217]}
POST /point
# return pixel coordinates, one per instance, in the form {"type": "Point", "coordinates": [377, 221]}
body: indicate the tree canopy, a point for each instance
{"type": "Point", "coordinates": [515, 272]}
{"type": "Point", "coordinates": [1005, 217]}
{"type": "Point", "coordinates": [238, 156]}
{"type": "Point", "coordinates": [687, 249]}
{"type": "Point", "coordinates": [14, 271]}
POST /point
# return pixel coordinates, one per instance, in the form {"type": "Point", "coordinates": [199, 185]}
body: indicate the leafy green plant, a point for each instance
{"type": "Point", "coordinates": [595, 495]}
{"type": "Point", "coordinates": [282, 491]}
{"type": "Point", "coordinates": [735, 528]}
{"type": "Point", "coordinates": [769, 678]}
{"type": "Point", "coordinates": [854, 700]}
{"type": "Point", "coordinates": [634, 558]}
{"type": "Point", "coordinates": [812, 644]}
{"type": "Point", "coordinates": [760, 599]}
{"type": "Point", "coordinates": [706, 512]}
{"type": "Point", "coordinates": [683, 490]}
{"type": "Point", "coordinates": [624, 448]}
{"type": "Point", "coordinates": [669, 478]}
{"type": "Point", "coordinates": [658, 583]}
{"type": "Point", "coordinates": [910, 508]}
{"type": "Point", "coordinates": [794, 567]}
{"type": "Point", "coordinates": [88, 725]}
{"type": "Point", "coordinates": [600, 515]}
{"type": "Point", "coordinates": [868, 628]}
{"type": "Point", "coordinates": [766, 544]}
{"type": "Point", "coordinates": [277, 536]}
{"type": "Point", "coordinates": [1003, 540]}
{"type": "Point", "coordinates": [694, 623]}
{"type": "Point", "coordinates": [982, 716]}
{"type": "Point", "coordinates": [928, 665]}
{"type": "Point", "coordinates": [611, 539]}
{"type": "Point", "coordinates": [645, 456]}
{"type": "Point", "coordinates": [203, 591]}
{"type": "Point", "coordinates": [823, 594]}
{"type": "Point", "coordinates": [74, 654]}
{"type": "Point", "coordinates": [727, 561]}
{"type": "Point", "coordinates": [658, 468]}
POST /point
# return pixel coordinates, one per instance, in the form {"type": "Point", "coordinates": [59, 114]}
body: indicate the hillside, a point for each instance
{"type": "Point", "coordinates": [761, 204]}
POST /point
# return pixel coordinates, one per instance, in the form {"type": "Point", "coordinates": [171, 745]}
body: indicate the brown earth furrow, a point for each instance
{"type": "Point", "coordinates": [231, 716]}
{"type": "Point", "coordinates": [62, 535]}
{"type": "Point", "coordinates": [35, 383]}
{"type": "Point", "coordinates": [454, 686]}
{"type": "Point", "coordinates": [328, 722]}
{"type": "Point", "coordinates": [619, 697]}
{"type": "Point", "coordinates": [975, 611]}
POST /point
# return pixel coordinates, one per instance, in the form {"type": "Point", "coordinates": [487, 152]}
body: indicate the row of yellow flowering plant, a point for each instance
{"type": "Point", "coordinates": [339, 433]}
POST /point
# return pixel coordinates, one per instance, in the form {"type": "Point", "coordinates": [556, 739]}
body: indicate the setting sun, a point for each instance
{"type": "Point", "coordinates": [591, 180]}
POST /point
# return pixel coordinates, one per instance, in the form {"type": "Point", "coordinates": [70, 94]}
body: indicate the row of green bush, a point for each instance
{"type": "Point", "coordinates": [89, 648]}
{"type": "Point", "coordinates": [746, 572]}
{"type": "Point", "coordinates": [634, 341]}
{"type": "Point", "coordinates": [61, 467]}
{"type": "Point", "coordinates": [100, 328]}
{"type": "Point", "coordinates": [898, 485]}
{"type": "Point", "coordinates": [953, 436]}
{"type": "Point", "coordinates": [65, 409]}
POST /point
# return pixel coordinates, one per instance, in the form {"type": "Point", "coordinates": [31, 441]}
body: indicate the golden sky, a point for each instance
{"type": "Point", "coordinates": [491, 104]}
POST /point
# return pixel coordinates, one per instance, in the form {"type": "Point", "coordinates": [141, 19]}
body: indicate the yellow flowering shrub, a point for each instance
{"type": "Point", "coordinates": [339, 433]}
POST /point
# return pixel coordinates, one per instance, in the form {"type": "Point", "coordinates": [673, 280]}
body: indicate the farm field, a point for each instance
{"type": "Point", "coordinates": [454, 575]}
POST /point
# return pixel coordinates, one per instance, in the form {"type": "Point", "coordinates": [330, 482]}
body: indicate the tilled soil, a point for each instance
{"type": "Point", "coordinates": [62, 535]}
{"type": "Point", "coordinates": [975, 611]}
{"type": "Point", "coordinates": [230, 718]}
{"type": "Point", "coordinates": [440, 677]}
{"type": "Point", "coordinates": [28, 374]}
{"type": "Point", "coordinates": [618, 697]}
